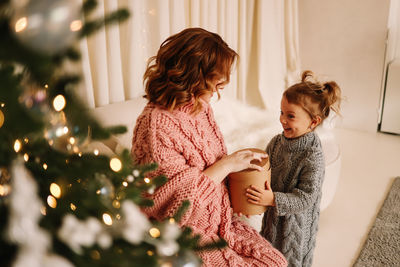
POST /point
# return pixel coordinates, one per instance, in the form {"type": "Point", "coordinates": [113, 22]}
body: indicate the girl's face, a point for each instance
{"type": "Point", "coordinates": [295, 120]}
{"type": "Point", "coordinates": [217, 83]}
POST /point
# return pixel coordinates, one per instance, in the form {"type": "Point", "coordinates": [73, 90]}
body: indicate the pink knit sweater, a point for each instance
{"type": "Point", "coordinates": [184, 145]}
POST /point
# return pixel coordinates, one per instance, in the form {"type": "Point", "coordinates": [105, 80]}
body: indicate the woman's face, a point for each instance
{"type": "Point", "coordinates": [216, 84]}
{"type": "Point", "coordinates": [294, 119]}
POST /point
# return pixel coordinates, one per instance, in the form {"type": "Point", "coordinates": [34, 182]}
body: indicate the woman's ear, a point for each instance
{"type": "Point", "coordinates": [315, 122]}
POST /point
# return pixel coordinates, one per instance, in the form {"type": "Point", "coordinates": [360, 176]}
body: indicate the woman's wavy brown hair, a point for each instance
{"type": "Point", "coordinates": [316, 98]}
{"type": "Point", "coordinates": [184, 67]}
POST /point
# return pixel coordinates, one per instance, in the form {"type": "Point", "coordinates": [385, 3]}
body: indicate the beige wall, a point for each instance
{"type": "Point", "coordinates": [344, 40]}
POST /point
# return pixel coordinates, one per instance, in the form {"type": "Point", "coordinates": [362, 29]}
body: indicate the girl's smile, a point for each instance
{"type": "Point", "coordinates": [295, 120]}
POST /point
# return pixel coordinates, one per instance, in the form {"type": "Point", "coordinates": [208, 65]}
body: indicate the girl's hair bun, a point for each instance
{"type": "Point", "coordinates": [307, 75]}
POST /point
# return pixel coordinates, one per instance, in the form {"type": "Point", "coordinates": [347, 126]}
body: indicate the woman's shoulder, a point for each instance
{"type": "Point", "coordinates": [156, 116]}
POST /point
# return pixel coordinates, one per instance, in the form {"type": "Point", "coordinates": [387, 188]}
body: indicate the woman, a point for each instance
{"type": "Point", "coordinates": [178, 131]}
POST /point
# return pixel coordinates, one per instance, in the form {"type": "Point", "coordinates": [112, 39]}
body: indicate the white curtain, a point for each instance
{"type": "Point", "coordinates": [263, 32]}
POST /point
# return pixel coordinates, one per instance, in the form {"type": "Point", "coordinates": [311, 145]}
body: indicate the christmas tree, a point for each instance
{"type": "Point", "coordinates": [62, 203]}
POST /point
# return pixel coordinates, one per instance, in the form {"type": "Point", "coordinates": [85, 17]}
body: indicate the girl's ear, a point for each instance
{"type": "Point", "coordinates": [315, 122]}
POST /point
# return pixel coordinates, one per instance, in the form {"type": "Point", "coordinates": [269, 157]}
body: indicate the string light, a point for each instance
{"type": "Point", "coordinates": [51, 201]}
{"type": "Point", "coordinates": [26, 157]}
{"type": "Point", "coordinates": [1, 118]}
{"type": "Point", "coordinates": [118, 217]}
{"type": "Point", "coordinates": [116, 204]}
{"type": "Point", "coordinates": [115, 164]}
{"type": "Point", "coordinates": [72, 140]}
{"type": "Point", "coordinates": [59, 102]}
{"type": "Point", "coordinates": [95, 254]}
{"type": "Point", "coordinates": [43, 210]}
{"type": "Point", "coordinates": [125, 184]}
{"type": "Point", "coordinates": [55, 190]}
{"type": "Point", "coordinates": [146, 180]}
{"type": "Point", "coordinates": [154, 232]}
{"type": "Point", "coordinates": [45, 166]}
{"type": "Point", "coordinates": [17, 145]}
{"type": "Point", "coordinates": [4, 190]}
{"type": "Point", "coordinates": [150, 253]}
{"type": "Point", "coordinates": [171, 220]}
{"type": "Point", "coordinates": [135, 173]}
{"type": "Point", "coordinates": [21, 24]}
{"type": "Point", "coordinates": [107, 219]}
{"type": "Point", "coordinates": [72, 206]}
{"type": "Point", "coordinates": [96, 152]}
{"type": "Point", "coordinates": [75, 25]}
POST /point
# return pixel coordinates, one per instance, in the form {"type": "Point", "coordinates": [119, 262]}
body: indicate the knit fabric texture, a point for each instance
{"type": "Point", "coordinates": [184, 144]}
{"type": "Point", "coordinates": [298, 170]}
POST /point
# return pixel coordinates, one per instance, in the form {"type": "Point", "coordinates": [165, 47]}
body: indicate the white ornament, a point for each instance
{"type": "Point", "coordinates": [136, 223]}
{"type": "Point", "coordinates": [171, 231]}
{"type": "Point", "coordinates": [76, 233]}
{"type": "Point", "coordinates": [23, 228]}
{"type": "Point", "coordinates": [167, 248]}
{"type": "Point", "coordinates": [135, 173]}
{"type": "Point", "coordinates": [48, 26]}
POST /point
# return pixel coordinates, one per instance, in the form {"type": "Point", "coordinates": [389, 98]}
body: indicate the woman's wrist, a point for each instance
{"type": "Point", "coordinates": [218, 171]}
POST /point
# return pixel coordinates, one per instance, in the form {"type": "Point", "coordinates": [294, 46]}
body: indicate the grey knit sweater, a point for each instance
{"type": "Point", "coordinates": [298, 170]}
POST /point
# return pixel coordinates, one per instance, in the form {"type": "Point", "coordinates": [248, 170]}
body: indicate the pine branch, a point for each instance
{"type": "Point", "coordinates": [115, 17]}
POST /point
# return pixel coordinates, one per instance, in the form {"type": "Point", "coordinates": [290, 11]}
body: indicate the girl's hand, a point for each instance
{"type": "Point", "coordinates": [261, 197]}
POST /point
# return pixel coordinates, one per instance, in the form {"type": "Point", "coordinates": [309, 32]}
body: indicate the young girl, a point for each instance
{"type": "Point", "coordinates": [297, 163]}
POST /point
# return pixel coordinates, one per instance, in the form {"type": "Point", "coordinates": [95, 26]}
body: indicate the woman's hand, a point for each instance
{"type": "Point", "coordinates": [237, 161]}
{"type": "Point", "coordinates": [242, 160]}
{"type": "Point", "coordinates": [261, 197]}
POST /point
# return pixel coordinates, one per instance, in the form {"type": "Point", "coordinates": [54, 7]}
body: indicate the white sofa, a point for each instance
{"type": "Point", "coordinates": [242, 126]}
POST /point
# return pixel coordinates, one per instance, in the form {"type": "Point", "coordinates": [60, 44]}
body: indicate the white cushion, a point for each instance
{"type": "Point", "coordinates": [121, 113]}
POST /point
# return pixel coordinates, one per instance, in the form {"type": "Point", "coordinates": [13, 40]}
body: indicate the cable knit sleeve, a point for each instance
{"type": "Point", "coordinates": [304, 195]}
{"type": "Point", "coordinates": [159, 139]}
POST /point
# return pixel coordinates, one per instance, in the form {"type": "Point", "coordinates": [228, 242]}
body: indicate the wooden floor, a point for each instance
{"type": "Point", "coordinates": [370, 162]}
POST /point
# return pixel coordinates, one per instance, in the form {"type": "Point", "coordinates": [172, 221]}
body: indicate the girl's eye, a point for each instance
{"type": "Point", "coordinates": [291, 116]}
